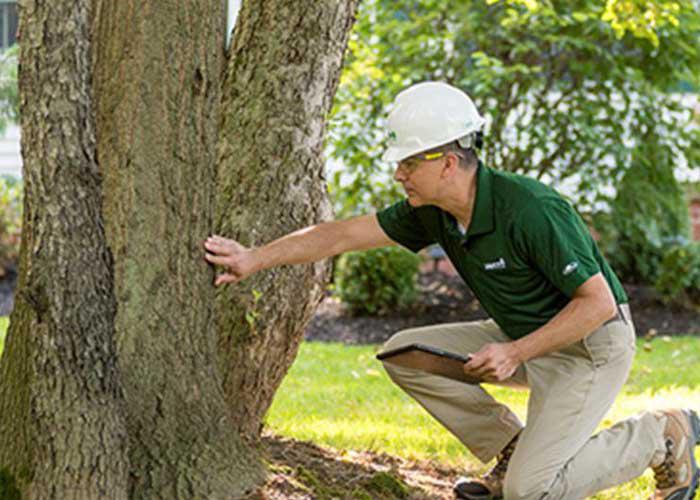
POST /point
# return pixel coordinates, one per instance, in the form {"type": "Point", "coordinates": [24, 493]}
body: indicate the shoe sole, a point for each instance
{"type": "Point", "coordinates": [476, 497]}
{"type": "Point", "coordinates": [694, 422]}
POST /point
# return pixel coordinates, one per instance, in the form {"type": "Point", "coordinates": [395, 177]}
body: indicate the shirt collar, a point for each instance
{"type": "Point", "coordinates": [483, 217]}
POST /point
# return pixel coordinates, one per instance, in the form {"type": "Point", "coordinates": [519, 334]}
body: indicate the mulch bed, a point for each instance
{"type": "Point", "coordinates": [442, 299]}
{"type": "Point", "coordinates": [8, 281]}
{"type": "Point", "coordinates": [446, 299]}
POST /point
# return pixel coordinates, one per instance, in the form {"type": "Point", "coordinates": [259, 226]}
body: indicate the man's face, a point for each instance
{"type": "Point", "coordinates": [420, 177]}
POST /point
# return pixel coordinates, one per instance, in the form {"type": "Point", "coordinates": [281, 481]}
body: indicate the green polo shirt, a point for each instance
{"type": "Point", "coordinates": [524, 254]}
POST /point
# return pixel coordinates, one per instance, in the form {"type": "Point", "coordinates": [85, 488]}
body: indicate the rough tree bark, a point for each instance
{"type": "Point", "coordinates": [158, 71]}
{"type": "Point", "coordinates": [282, 75]}
{"type": "Point", "coordinates": [111, 381]}
{"type": "Point", "coordinates": [61, 412]}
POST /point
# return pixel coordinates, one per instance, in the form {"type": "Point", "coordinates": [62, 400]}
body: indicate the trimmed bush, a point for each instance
{"type": "Point", "coordinates": [649, 216]}
{"type": "Point", "coordinates": [10, 221]}
{"type": "Point", "coordinates": [376, 281]}
{"type": "Point", "coordinates": [679, 280]}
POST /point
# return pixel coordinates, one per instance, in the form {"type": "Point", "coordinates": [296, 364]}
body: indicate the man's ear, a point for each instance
{"type": "Point", "coordinates": [451, 166]}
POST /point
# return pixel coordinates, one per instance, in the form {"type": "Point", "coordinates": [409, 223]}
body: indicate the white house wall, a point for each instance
{"type": "Point", "coordinates": [10, 157]}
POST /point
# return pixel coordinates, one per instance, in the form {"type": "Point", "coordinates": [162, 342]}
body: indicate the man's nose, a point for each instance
{"type": "Point", "coordinates": [398, 174]}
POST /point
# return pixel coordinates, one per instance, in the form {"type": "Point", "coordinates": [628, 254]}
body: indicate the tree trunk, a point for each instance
{"type": "Point", "coordinates": [158, 72]}
{"type": "Point", "coordinates": [110, 381]}
{"type": "Point", "coordinates": [61, 412]}
{"type": "Point", "coordinates": [283, 70]}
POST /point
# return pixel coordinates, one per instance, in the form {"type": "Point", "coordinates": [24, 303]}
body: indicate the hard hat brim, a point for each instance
{"type": "Point", "coordinates": [394, 153]}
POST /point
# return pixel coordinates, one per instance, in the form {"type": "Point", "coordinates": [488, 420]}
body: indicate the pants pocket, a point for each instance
{"type": "Point", "coordinates": [598, 346]}
{"type": "Point", "coordinates": [610, 342]}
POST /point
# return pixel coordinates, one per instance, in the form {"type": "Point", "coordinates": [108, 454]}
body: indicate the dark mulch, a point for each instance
{"type": "Point", "coordinates": [446, 299]}
{"type": "Point", "coordinates": [8, 281]}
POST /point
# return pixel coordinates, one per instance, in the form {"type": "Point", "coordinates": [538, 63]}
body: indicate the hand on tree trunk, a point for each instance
{"type": "Point", "coordinates": [237, 259]}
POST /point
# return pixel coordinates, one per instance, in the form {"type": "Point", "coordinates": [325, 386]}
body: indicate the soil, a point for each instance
{"type": "Point", "coordinates": [301, 470]}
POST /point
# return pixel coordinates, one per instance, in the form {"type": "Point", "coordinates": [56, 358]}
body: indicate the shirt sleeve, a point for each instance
{"type": "Point", "coordinates": [402, 224]}
{"type": "Point", "coordinates": [556, 241]}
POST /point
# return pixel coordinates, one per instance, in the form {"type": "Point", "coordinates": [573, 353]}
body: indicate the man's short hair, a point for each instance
{"type": "Point", "coordinates": [467, 156]}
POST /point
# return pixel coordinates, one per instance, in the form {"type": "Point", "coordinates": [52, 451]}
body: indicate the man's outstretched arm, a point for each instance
{"type": "Point", "coordinates": [305, 245]}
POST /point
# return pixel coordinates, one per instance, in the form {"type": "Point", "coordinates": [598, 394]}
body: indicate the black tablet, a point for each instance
{"type": "Point", "coordinates": [431, 360]}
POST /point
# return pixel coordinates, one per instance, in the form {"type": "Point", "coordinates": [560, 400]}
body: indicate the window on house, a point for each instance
{"type": "Point", "coordinates": [8, 24]}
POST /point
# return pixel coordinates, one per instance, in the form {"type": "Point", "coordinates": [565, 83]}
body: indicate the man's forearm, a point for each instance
{"type": "Point", "coordinates": [305, 245]}
{"type": "Point", "coordinates": [579, 318]}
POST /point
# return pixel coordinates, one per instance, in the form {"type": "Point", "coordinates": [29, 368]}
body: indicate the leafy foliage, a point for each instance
{"type": "Point", "coordinates": [569, 89]}
{"type": "Point", "coordinates": [679, 280]}
{"type": "Point", "coordinates": [10, 188]}
{"type": "Point", "coordinates": [649, 215]}
{"type": "Point", "coordinates": [9, 93]}
{"type": "Point", "coordinates": [377, 280]}
{"type": "Point", "coordinates": [10, 220]}
{"type": "Point", "coordinates": [641, 17]}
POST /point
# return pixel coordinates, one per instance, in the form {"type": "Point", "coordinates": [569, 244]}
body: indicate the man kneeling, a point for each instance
{"type": "Point", "coordinates": [560, 323]}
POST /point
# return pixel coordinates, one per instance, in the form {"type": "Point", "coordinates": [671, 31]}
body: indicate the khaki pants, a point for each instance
{"type": "Point", "coordinates": [571, 390]}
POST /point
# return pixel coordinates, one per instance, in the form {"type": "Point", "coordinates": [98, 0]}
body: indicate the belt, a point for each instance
{"type": "Point", "coordinates": [623, 314]}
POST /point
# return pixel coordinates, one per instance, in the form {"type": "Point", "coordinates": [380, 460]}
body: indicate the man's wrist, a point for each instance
{"type": "Point", "coordinates": [521, 352]}
{"type": "Point", "coordinates": [257, 258]}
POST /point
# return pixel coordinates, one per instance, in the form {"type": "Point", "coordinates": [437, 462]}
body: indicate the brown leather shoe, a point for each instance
{"type": "Point", "coordinates": [677, 475]}
{"type": "Point", "coordinates": [490, 485]}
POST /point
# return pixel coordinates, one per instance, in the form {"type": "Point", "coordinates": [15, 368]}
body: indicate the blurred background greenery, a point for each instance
{"type": "Point", "coordinates": [597, 99]}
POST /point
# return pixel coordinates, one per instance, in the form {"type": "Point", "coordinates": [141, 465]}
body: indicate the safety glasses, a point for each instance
{"type": "Point", "coordinates": [409, 165]}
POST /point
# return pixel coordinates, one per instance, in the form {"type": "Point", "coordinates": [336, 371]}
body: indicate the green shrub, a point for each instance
{"type": "Point", "coordinates": [649, 215]}
{"type": "Point", "coordinates": [9, 92]}
{"type": "Point", "coordinates": [679, 280]}
{"type": "Point", "coordinates": [10, 220]}
{"type": "Point", "coordinates": [377, 280]}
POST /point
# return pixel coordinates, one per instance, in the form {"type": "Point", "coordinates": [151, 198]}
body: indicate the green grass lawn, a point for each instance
{"type": "Point", "coordinates": [339, 396]}
{"type": "Point", "coordinates": [4, 322]}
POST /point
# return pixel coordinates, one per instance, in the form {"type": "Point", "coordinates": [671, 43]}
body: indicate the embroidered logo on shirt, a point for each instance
{"type": "Point", "coordinates": [570, 268]}
{"type": "Point", "coordinates": [492, 266]}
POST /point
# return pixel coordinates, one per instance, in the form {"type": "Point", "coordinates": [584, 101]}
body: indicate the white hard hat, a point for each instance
{"type": "Point", "coordinates": [428, 115]}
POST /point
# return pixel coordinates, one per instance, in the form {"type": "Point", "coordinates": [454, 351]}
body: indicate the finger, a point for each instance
{"type": "Point", "coordinates": [504, 375]}
{"type": "Point", "coordinates": [496, 375]}
{"type": "Point", "coordinates": [216, 248]}
{"type": "Point", "coordinates": [474, 372]}
{"type": "Point", "coordinates": [468, 370]}
{"type": "Point", "coordinates": [479, 374]}
{"type": "Point", "coordinates": [476, 362]}
{"type": "Point", "coordinates": [486, 371]}
{"type": "Point", "coordinates": [215, 259]}
{"type": "Point", "coordinates": [222, 279]}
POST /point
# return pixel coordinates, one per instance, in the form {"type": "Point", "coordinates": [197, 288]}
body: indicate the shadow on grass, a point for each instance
{"type": "Point", "coordinates": [305, 470]}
